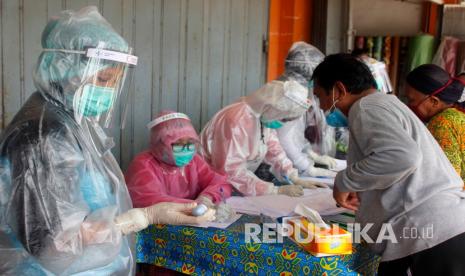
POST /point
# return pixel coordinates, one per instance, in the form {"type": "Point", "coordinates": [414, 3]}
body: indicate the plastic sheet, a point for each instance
{"type": "Point", "coordinates": [61, 186]}
{"type": "Point", "coordinates": [446, 55]}
{"type": "Point", "coordinates": [236, 143]}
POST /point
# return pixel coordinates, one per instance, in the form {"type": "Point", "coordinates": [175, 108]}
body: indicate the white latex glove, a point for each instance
{"type": "Point", "coordinates": [224, 212]}
{"type": "Point", "coordinates": [307, 184]}
{"type": "Point", "coordinates": [290, 190]}
{"type": "Point", "coordinates": [313, 171]}
{"type": "Point", "coordinates": [173, 213]}
{"type": "Point", "coordinates": [323, 160]}
{"type": "Point", "coordinates": [206, 201]}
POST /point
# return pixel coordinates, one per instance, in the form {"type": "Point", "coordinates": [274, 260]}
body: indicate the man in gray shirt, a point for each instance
{"type": "Point", "coordinates": [407, 196]}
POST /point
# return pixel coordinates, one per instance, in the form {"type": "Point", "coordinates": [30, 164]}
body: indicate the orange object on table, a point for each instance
{"type": "Point", "coordinates": [321, 242]}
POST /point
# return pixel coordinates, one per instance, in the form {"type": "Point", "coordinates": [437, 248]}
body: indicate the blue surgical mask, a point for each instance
{"type": "Point", "coordinates": [183, 155]}
{"type": "Point", "coordinates": [272, 124]}
{"type": "Point", "coordinates": [95, 100]}
{"type": "Point", "coordinates": [335, 117]}
{"type": "Point", "coordinates": [310, 84]}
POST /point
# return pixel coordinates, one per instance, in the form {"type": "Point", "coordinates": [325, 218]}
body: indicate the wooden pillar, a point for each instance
{"type": "Point", "coordinates": [290, 21]}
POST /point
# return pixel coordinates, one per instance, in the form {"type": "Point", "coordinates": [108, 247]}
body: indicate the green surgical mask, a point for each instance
{"type": "Point", "coordinates": [272, 124]}
{"type": "Point", "coordinates": [95, 100]}
{"type": "Point", "coordinates": [183, 155]}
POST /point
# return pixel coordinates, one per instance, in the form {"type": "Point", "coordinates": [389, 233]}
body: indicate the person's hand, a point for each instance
{"type": "Point", "coordinates": [323, 160]}
{"type": "Point", "coordinates": [132, 221]}
{"type": "Point", "coordinates": [162, 213]}
{"type": "Point", "coordinates": [224, 212]}
{"type": "Point", "coordinates": [313, 171]}
{"type": "Point", "coordinates": [347, 200]}
{"type": "Point", "coordinates": [177, 214]}
{"type": "Point", "coordinates": [307, 184]}
{"type": "Point", "coordinates": [326, 160]}
{"type": "Point", "coordinates": [205, 200]}
{"type": "Point", "coordinates": [291, 190]}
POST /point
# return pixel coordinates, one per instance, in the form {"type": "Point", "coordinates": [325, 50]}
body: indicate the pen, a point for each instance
{"type": "Point", "coordinates": [223, 200]}
{"type": "Point", "coordinates": [286, 178]}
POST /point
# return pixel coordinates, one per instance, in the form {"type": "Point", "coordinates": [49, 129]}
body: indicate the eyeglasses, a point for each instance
{"type": "Point", "coordinates": [181, 148]}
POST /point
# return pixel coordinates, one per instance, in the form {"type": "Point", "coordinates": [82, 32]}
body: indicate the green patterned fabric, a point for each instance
{"type": "Point", "coordinates": [448, 128]}
{"type": "Point", "coordinates": [212, 251]}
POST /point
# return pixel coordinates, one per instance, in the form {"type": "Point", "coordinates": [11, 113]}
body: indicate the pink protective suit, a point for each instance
{"type": "Point", "coordinates": [152, 176]}
{"type": "Point", "coordinates": [235, 142]}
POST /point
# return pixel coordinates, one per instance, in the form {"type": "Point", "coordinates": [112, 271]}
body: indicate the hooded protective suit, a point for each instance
{"type": "Point", "coordinates": [60, 186]}
{"type": "Point", "coordinates": [300, 63]}
{"type": "Point", "coordinates": [236, 142]}
{"type": "Point", "coordinates": [153, 177]}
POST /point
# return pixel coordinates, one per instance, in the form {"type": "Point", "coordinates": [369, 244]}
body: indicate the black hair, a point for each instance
{"type": "Point", "coordinates": [347, 69]}
{"type": "Point", "coordinates": [359, 51]}
{"type": "Point", "coordinates": [428, 78]}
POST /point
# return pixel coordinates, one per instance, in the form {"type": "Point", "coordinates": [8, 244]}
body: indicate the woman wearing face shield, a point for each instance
{"type": "Point", "coordinates": [64, 206]}
{"type": "Point", "coordinates": [439, 100]}
{"type": "Point", "coordinates": [173, 171]}
{"type": "Point", "coordinates": [243, 135]}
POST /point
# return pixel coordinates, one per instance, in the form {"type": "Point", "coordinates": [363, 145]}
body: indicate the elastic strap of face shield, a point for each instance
{"type": "Point", "coordinates": [303, 102]}
{"type": "Point", "coordinates": [167, 117]}
{"type": "Point", "coordinates": [101, 54]}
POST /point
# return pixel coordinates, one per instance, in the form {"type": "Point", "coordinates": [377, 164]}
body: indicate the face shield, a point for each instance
{"type": "Point", "coordinates": [290, 104]}
{"type": "Point", "coordinates": [100, 91]}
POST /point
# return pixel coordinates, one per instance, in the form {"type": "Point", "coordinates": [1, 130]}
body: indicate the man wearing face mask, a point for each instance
{"type": "Point", "coordinates": [397, 176]}
{"type": "Point", "coordinates": [242, 135]}
{"type": "Point", "coordinates": [172, 171]}
{"type": "Point", "coordinates": [64, 206]}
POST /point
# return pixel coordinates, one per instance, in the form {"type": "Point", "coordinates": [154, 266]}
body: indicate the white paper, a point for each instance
{"type": "Point", "coordinates": [220, 225]}
{"type": "Point", "coordinates": [326, 180]}
{"type": "Point", "coordinates": [312, 215]}
{"type": "Point", "coordinates": [276, 206]}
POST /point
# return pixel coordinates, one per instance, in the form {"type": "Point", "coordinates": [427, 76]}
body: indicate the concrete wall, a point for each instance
{"type": "Point", "coordinates": [381, 17]}
{"type": "Point", "coordinates": [195, 56]}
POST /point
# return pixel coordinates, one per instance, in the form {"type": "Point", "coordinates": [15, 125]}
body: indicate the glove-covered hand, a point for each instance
{"type": "Point", "coordinates": [307, 184]}
{"type": "Point", "coordinates": [323, 160]}
{"type": "Point", "coordinates": [290, 190]}
{"type": "Point", "coordinates": [326, 160]}
{"type": "Point", "coordinates": [312, 171]}
{"type": "Point", "coordinates": [205, 200]}
{"type": "Point", "coordinates": [224, 212]}
{"type": "Point", "coordinates": [162, 213]}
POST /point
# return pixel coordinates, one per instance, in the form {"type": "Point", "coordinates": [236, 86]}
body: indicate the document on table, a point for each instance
{"type": "Point", "coordinates": [220, 225]}
{"type": "Point", "coordinates": [276, 206]}
{"type": "Point", "coordinates": [326, 180]}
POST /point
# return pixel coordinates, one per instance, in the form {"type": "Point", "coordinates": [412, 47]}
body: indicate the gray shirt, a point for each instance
{"type": "Point", "coordinates": [403, 178]}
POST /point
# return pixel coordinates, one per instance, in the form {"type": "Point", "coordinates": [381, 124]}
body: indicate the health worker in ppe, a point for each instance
{"type": "Point", "coordinates": [172, 170]}
{"type": "Point", "coordinates": [294, 136]}
{"type": "Point", "coordinates": [64, 206]}
{"type": "Point", "coordinates": [243, 135]}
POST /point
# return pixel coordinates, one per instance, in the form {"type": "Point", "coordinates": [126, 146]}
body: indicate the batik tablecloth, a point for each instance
{"type": "Point", "coordinates": [212, 251]}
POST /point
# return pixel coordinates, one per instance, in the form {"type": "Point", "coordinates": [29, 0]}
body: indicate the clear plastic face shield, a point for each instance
{"type": "Point", "coordinates": [101, 92]}
{"type": "Point", "coordinates": [292, 105]}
